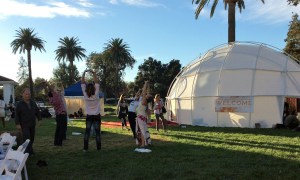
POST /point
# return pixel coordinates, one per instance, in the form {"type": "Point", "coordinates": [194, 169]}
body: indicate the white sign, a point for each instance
{"type": "Point", "coordinates": [234, 104]}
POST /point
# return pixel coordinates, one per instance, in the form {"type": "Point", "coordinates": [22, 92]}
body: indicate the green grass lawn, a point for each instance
{"type": "Point", "coordinates": [179, 153]}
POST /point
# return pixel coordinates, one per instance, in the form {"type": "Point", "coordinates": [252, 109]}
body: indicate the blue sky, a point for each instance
{"type": "Point", "coordinates": [162, 29]}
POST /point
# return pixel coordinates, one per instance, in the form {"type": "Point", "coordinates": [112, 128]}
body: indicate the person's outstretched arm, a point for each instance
{"type": "Point", "coordinates": [144, 92]}
{"type": "Point", "coordinates": [96, 80]}
{"type": "Point", "coordinates": [83, 77]}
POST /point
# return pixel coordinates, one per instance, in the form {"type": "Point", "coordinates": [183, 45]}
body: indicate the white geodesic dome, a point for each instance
{"type": "Point", "coordinates": [234, 85]}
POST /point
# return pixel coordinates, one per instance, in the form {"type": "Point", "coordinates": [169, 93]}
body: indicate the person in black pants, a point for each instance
{"type": "Point", "coordinates": [57, 101]}
{"type": "Point", "coordinates": [132, 112]}
{"type": "Point", "coordinates": [25, 116]}
{"type": "Point", "coordinates": [122, 109]}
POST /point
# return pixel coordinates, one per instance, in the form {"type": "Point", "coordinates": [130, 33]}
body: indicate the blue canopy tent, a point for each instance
{"type": "Point", "coordinates": [74, 99]}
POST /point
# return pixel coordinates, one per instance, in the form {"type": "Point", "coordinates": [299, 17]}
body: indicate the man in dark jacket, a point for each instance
{"type": "Point", "coordinates": [25, 118]}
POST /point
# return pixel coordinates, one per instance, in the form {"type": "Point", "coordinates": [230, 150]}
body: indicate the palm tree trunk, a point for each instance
{"type": "Point", "coordinates": [71, 72]}
{"type": "Point", "coordinates": [231, 21]}
{"type": "Point", "coordinates": [30, 73]}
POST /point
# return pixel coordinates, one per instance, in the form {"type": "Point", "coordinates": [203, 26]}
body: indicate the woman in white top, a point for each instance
{"type": "Point", "coordinates": [132, 112]}
{"type": "Point", "coordinates": [143, 136]}
{"type": "Point", "coordinates": [92, 105]}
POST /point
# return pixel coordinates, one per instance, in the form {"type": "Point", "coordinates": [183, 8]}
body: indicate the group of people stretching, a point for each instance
{"type": "Point", "coordinates": [139, 111]}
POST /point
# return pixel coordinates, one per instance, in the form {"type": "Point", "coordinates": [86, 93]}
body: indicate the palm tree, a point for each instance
{"type": "Point", "coordinates": [118, 55]}
{"type": "Point", "coordinates": [25, 40]}
{"type": "Point", "coordinates": [231, 12]}
{"type": "Point", "coordinates": [293, 2]}
{"type": "Point", "coordinates": [68, 50]}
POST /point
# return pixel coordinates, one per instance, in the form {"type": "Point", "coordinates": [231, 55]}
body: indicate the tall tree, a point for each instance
{"type": "Point", "coordinates": [132, 88]}
{"type": "Point", "coordinates": [23, 70]}
{"type": "Point", "coordinates": [70, 50]}
{"type": "Point", "coordinates": [39, 88]}
{"type": "Point", "coordinates": [98, 63]}
{"type": "Point", "coordinates": [117, 53]}
{"type": "Point", "coordinates": [159, 75]}
{"type": "Point", "coordinates": [151, 70]}
{"type": "Point", "coordinates": [292, 46]}
{"type": "Point", "coordinates": [231, 12]}
{"type": "Point", "coordinates": [171, 71]}
{"type": "Point", "coordinates": [25, 40]}
{"type": "Point", "coordinates": [61, 74]}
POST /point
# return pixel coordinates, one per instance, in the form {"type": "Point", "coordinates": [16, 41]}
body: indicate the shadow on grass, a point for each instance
{"type": "Point", "coordinates": [168, 160]}
{"type": "Point", "coordinates": [189, 153]}
{"type": "Point", "coordinates": [236, 130]}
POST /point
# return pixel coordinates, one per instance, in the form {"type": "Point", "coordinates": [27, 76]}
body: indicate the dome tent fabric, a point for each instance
{"type": "Point", "coordinates": [74, 99]}
{"type": "Point", "coordinates": [234, 85]}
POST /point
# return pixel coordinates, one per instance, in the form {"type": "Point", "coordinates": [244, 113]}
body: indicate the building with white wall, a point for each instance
{"type": "Point", "coordinates": [8, 86]}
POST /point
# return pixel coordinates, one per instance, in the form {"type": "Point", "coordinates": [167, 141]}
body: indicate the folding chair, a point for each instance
{"type": "Point", "coordinates": [22, 149]}
{"type": "Point", "coordinates": [7, 142]}
{"type": "Point", "coordinates": [12, 165]}
{"type": "Point", "coordinates": [6, 137]}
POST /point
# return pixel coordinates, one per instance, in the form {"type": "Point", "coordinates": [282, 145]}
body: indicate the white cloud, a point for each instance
{"type": "Point", "coordinates": [272, 12]}
{"type": "Point", "coordinates": [85, 3]}
{"type": "Point", "coordinates": [144, 3]}
{"type": "Point", "coordinates": [140, 3]}
{"type": "Point", "coordinates": [53, 9]}
{"type": "Point", "coordinates": [60, 8]}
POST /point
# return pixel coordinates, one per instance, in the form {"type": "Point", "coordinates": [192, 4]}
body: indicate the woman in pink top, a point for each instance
{"type": "Point", "coordinates": [92, 105]}
{"type": "Point", "coordinates": [56, 99]}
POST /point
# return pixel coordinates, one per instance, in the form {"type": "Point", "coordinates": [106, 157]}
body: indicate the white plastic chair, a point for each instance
{"type": "Point", "coordinates": [22, 149]}
{"type": "Point", "coordinates": [12, 165]}
{"type": "Point", "coordinates": [23, 146]}
{"type": "Point", "coordinates": [6, 137]}
{"type": "Point", "coordinates": [7, 142]}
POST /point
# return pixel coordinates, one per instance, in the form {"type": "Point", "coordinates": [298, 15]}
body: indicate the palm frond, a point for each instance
{"type": "Point", "coordinates": [213, 8]}
{"type": "Point", "coordinates": [69, 50]}
{"type": "Point", "coordinates": [201, 4]}
{"type": "Point", "coordinates": [25, 40]}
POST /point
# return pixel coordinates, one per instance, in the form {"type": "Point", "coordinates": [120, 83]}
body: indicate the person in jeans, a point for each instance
{"type": "Point", "coordinates": [92, 105]}
{"type": "Point", "coordinates": [56, 99]}
{"type": "Point", "coordinates": [26, 113]}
